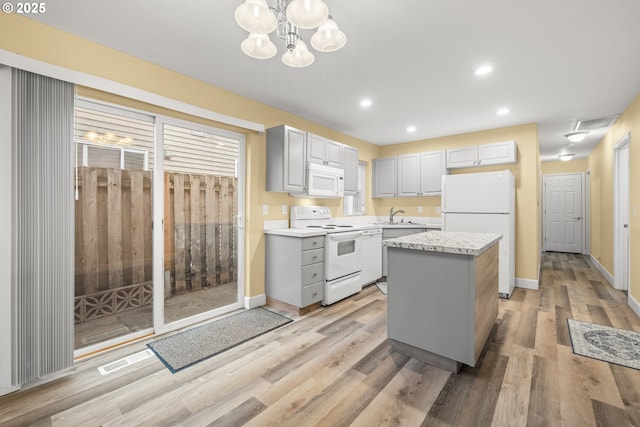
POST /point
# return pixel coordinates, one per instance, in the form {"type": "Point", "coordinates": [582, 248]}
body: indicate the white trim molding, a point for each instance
{"type": "Point", "coordinates": [602, 270]}
{"type": "Point", "coordinates": [634, 304]}
{"type": "Point", "coordinates": [527, 283]}
{"type": "Point", "coordinates": [61, 73]}
{"type": "Point", "coordinates": [256, 301]}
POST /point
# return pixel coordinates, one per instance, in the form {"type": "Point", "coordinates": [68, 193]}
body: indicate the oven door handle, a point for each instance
{"type": "Point", "coordinates": [341, 237]}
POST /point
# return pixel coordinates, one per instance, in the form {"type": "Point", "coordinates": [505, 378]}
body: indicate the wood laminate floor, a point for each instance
{"type": "Point", "coordinates": [333, 367]}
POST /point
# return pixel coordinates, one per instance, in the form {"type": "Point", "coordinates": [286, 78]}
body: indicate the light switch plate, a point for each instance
{"type": "Point", "coordinates": [285, 209]}
{"type": "Point", "coordinates": [438, 210]}
{"type": "Point", "coordinates": [265, 209]}
{"type": "Point", "coordinates": [420, 209]}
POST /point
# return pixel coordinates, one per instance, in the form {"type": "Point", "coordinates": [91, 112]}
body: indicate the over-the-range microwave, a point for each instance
{"type": "Point", "coordinates": [324, 181]}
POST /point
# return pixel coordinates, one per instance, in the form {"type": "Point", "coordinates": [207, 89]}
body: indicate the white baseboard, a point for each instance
{"type": "Point", "coordinates": [7, 390]}
{"type": "Point", "coordinates": [634, 304]}
{"type": "Point", "coordinates": [527, 283]}
{"type": "Point", "coordinates": [602, 270]}
{"type": "Point", "coordinates": [253, 302]}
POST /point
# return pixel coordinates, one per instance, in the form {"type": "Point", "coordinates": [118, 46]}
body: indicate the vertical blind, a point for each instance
{"type": "Point", "coordinates": [42, 195]}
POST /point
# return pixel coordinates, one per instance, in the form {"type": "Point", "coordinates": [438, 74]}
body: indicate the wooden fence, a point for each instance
{"type": "Point", "coordinates": [114, 237]}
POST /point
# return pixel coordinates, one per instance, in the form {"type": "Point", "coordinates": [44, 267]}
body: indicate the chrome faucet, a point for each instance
{"type": "Point", "coordinates": [392, 214]}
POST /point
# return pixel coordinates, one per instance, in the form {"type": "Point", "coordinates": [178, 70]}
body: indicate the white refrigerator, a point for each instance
{"type": "Point", "coordinates": [484, 203]}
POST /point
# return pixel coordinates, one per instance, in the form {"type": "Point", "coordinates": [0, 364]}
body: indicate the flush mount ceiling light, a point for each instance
{"type": "Point", "coordinates": [566, 157]}
{"type": "Point", "coordinates": [483, 70]}
{"type": "Point", "coordinates": [577, 136]}
{"type": "Point", "coordinates": [502, 111]}
{"type": "Point", "coordinates": [286, 17]}
{"type": "Point", "coordinates": [411, 129]}
{"type": "Point", "coordinates": [365, 103]}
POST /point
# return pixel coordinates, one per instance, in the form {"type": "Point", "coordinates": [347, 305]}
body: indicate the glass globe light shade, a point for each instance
{"type": "Point", "coordinates": [258, 46]}
{"type": "Point", "coordinates": [566, 157]}
{"type": "Point", "coordinates": [298, 57]}
{"type": "Point", "coordinates": [307, 14]}
{"type": "Point", "coordinates": [328, 38]}
{"type": "Point", "coordinates": [577, 136]}
{"type": "Point", "coordinates": [256, 17]}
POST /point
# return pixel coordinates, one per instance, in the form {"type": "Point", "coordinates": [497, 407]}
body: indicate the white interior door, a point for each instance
{"type": "Point", "coordinates": [621, 215]}
{"type": "Point", "coordinates": [563, 212]}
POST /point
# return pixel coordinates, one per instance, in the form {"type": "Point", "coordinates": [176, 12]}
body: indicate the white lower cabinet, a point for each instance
{"type": "Point", "coordinates": [294, 270]}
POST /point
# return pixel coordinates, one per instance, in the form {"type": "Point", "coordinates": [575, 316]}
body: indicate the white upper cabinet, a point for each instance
{"type": "Point", "coordinates": [409, 175]}
{"type": "Point", "coordinates": [432, 167]}
{"type": "Point", "coordinates": [384, 177]}
{"type": "Point", "coordinates": [497, 153]}
{"type": "Point", "coordinates": [417, 174]}
{"type": "Point", "coordinates": [350, 170]}
{"type": "Point", "coordinates": [464, 157]}
{"type": "Point", "coordinates": [286, 152]}
{"type": "Point", "coordinates": [324, 151]}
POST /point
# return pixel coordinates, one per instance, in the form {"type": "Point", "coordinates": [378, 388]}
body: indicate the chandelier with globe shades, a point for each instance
{"type": "Point", "coordinates": [286, 18]}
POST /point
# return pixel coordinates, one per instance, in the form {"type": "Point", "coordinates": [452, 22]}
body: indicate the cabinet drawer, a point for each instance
{"type": "Point", "coordinates": [312, 293]}
{"type": "Point", "coordinates": [312, 256]}
{"type": "Point", "coordinates": [312, 242]}
{"type": "Point", "coordinates": [312, 273]}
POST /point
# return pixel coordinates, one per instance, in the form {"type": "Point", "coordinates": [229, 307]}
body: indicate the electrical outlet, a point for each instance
{"type": "Point", "coordinates": [285, 209]}
{"type": "Point", "coordinates": [420, 209]}
{"type": "Point", "coordinates": [265, 209]}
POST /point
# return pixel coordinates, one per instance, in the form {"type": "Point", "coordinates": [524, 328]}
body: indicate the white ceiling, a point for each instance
{"type": "Point", "coordinates": [555, 61]}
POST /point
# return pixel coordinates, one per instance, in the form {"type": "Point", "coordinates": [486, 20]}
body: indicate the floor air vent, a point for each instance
{"type": "Point", "coordinates": [123, 363]}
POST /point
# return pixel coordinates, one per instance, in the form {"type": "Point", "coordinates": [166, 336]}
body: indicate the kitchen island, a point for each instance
{"type": "Point", "coordinates": [443, 295]}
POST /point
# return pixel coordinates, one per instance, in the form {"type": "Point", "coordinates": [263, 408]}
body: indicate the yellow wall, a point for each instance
{"type": "Point", "coordinates": [527, 186]}
{"type": "Point", "coordinates": [31, 39]}
{"type": "Point", "coordinates": [34, 40]}
{"type": "Point", "coordinates": [601, 167]}
{"type": "Point", "coordinates": [572, 166]}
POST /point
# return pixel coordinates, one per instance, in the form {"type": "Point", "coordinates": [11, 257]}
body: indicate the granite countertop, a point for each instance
{"type": "Point", "coordinates": [446, 241]}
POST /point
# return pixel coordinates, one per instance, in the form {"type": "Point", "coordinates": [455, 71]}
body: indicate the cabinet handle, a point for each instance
{"type": "Point", "coordinates": [315, 294]}
{"type": "Point", "coordinates": [314, 274]}
{"type": "Point", "coordinates": [314, 258]}
{"type": "Point", "coordinates": [315, 243]}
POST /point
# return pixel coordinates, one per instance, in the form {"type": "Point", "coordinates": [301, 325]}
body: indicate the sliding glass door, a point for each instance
{"type": "Point", "coordinates": [157, 241]}
{"type": "Point", "coordinates": [113, 220]}
{"type": "Point", "coordinates": [201, 196]}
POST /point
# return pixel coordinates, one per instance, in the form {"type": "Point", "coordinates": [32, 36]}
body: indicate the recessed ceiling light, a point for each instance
{"type": "Point", "coordinates": [411, 129]}
{"type": "Point", "coordinates": [502, 111]}
{"type": "Point", "coordinates": [365, 103]}
{"type": "Point", "coordinates": [483, 70]}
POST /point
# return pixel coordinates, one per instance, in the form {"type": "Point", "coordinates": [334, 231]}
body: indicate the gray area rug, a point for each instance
{"type": "Point", "coordinates": [605, 343]}
{"type": "Point", "coordinates": [187, 348]}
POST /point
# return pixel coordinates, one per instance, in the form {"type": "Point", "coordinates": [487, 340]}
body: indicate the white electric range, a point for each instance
{"type": "Point", "coordinates": [342, 250]}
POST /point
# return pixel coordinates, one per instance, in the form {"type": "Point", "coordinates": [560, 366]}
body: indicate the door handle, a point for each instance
{"type": "Point", "coordinates": [626, 226]}
{"type": "Point", "coordinates": [577, 217]}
